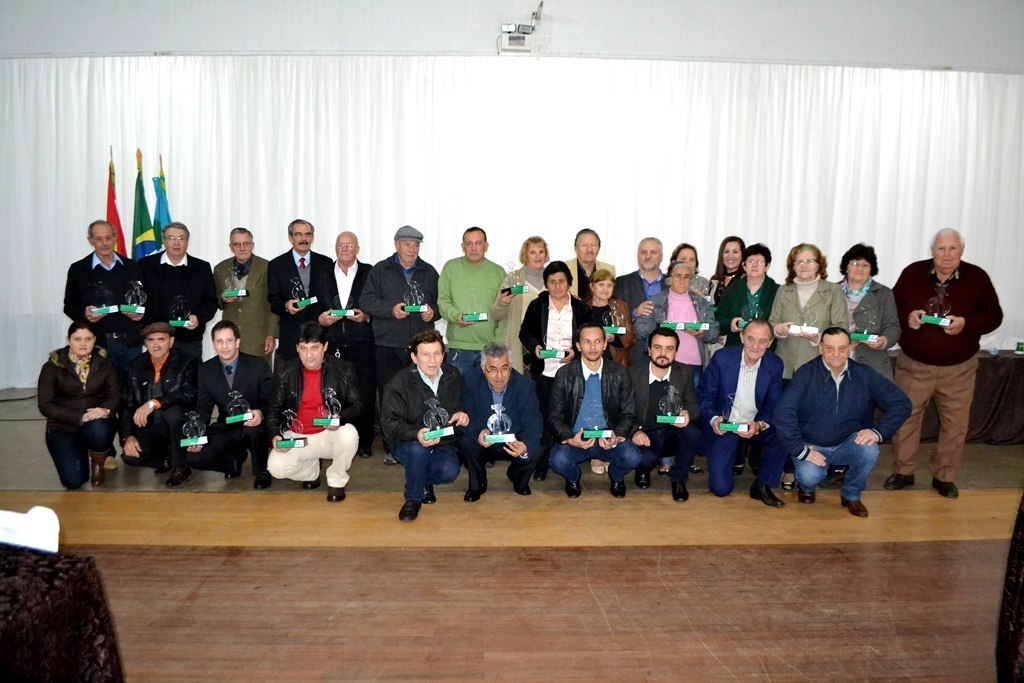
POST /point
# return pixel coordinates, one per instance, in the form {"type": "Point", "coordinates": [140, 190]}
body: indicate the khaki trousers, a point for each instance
{"type": "Point", "coordinates": [303, 464]}
{"type": "Point", "coordinates": [952, 387]}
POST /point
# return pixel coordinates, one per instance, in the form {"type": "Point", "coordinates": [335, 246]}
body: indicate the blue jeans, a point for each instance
{"type": "Point", "coordinates": [721, 452]}
{"type": "Point", "coordinates": [565, 460]}
{"type": "Point", "coordinates": [860, 460]}
{"type": "Point", "coordinates": [426, 466]}
{"type": "Point", "coordinates": [69, 450]}
{"type": "Point", "coordinates": [464, 360]}
{"type": "Point", "coordinates": [676, 445]}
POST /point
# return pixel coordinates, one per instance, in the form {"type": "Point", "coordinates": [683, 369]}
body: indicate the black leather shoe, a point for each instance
{"type": "Point", "coordinates": [236, 469]}
{"type": "Point", "coordinates": [335, 494]}
{"type": "Point", "coordinates": [572, 488]}
{"type": "Point", "coordinates": [805, 496]}
{"type": "Point", "coordinates": [759, 491]}
{"type": "Point", "coordinates": [524, 491]}
{"type": "Point", "coordinates": [364, 453]}
{"type": "Point", "coordinates": [540, 474]}
{"type": "Point", "coordinates": [472, 495]}
{"type": "Point", "coordinates": [643, 481]}
{"type": "Point", "coordinates": [895, 482]}
{"type": "Point", "coordinates": [737, 470]}
{"type": "Point", "coordinates": [855, 507]}
{"type": "Point", "coordinates": [262, 481]}
{"type": "Point", "coordinates": [410, 511]}
{"type": "Point", "coordinates": [428, 495]}
{"type": "Point", "coordinates": [164, 467]}
{"type": "Point", "coordinates": [679, 492]}
{"type": "Point", "coordinates": [946, 489]}
{"type": "Point", "coordinates": [618, 489]}
{"type": "Point", "coordinates": [178, 476]}
{"type": "Point", "coordinates": [694, 469]}
{"type": "Point", "coordinates": [310, 485]}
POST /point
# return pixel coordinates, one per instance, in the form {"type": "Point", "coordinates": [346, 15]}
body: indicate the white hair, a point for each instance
{"type": "Point", "coordinates": [945, 232]}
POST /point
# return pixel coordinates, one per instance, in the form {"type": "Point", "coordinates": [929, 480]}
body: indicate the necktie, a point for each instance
{"type": "Point", "coordinates": [229, 373]}
{"type": "Point", "coordinates": [302, 263]}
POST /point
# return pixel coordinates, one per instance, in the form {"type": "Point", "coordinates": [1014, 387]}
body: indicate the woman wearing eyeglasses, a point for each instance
{"type": "Point", "coordinates": [751, 298]}
{"type": "Point", "coordinates": [872, 309]}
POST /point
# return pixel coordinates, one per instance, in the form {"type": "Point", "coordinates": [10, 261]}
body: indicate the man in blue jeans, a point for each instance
{"type": "Point", "coordinates": [424, 398]}
{"type": "Point", "coordinates": [826, 417]}
{"type": "Point", "coordinates": [591, 395]}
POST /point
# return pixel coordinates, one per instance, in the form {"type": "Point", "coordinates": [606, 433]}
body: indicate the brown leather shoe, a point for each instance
{"type": "Point", "coordinates": [178, 476]}
{"type": "Point", "coordinates": [855, 507]}
{"type": "Point", "coordinates": [97, 473]}
{"type": "Point", "coordinates": [805, 496]}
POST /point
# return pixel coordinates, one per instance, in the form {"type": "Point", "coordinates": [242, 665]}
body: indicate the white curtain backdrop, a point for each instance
{"type": "Point", "coordinates": [521, 146]}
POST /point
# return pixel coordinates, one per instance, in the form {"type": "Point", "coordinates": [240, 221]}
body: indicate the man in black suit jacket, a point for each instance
{"type": "Point", "coordinates": [657, 438]}
{"type": "Point", "coordinates": [350, 335]}
{"type": "Point", "coordinates": [639, 287]}
{"type": "Point", "coordinates": [293, 279]}
{"type": "Point", "coordinates": [232, 435]}
{"type": "Point", "coordinates": [180, 290]}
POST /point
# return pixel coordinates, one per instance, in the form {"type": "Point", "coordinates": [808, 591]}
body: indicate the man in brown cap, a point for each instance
{"type": "Point", "coordinates": [159, 388]}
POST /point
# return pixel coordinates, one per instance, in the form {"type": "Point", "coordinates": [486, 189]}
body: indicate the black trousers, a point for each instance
{"type": "Point", "coordinates": [159, 439]}
{"type": "Point", "coordinates": [230, 443]}
{"type": "Point", "coordinates": [519, 470]}
{"type": "Point", "coordinates": [365, 362]}
{"type": "Point", "coordinates": [389, 361]}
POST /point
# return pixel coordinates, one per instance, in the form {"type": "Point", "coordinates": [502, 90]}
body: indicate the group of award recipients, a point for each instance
{"type": "Point", "coordinates": [549, 365]}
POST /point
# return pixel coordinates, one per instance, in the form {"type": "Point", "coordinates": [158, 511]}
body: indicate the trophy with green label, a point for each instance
{"type": "Point", "coordinates": [499, 424]}
{"type": "Point", "coordinates": [194, 430]}
{"type": "Point", "coordinates": [330, 411]}
{"type": "Point", "coordinates": [134, 299]}
{"type": "Point", "coordinates": [289, 430]}
{"type": "Point", "coordinates": [103, 299]}
{"type": "Point", "coordinates": [477, 313]}
{"type": "Point", "coordinates": [593, 419]}
{"type": "Point", "coordinates": [436, 421]}
{"type": "Point", "coordinates": [233, 284]}
{"type": "Point", "coordinates": [238, 408]}
{"type": "Point", "coordinates": [515, 285]}
{"type": "Point", "coordinates": [865, 326]}
{"type": "Point", "coordinates": [414, 298]}
{"type": "Point", "coordinates": [751, 311]}
{"type": "Point", "coordinates": [553, 344]}
{"type": "Point", "coordinates": [180, 311]}
{"type": "Point", "coordinates": [726, 426]}
{"type": "Point", "coordinates": [299, 293]}
{"type": "Point", "coordinates": [338, 310]}
{"type": "Point", "coordinates": [669, 407]}
{"type": "Point", "coordinates": [937, 309]}
{"type": "Point", "coordinates": [807, 322]}
{"type": "Point", "coordinates": [613, 321]}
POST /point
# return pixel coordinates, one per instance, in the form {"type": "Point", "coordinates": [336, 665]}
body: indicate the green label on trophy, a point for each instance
{"type": "Point", "coordinates": [234, 293]}
{"type": "Point", "coordinates": [519, 289]}
{"type": "Point", "coordinates": [863, 337]}
{"type": "Point", "coordinates": [343, 312]}
{"type": "Point", "coordinates": [598, 433]}
{"type": "Point", "coordinates": [552, 353]}
{"type": "Point", "coordinates": [740, 427]}
{"type": "Point", "coordinates": [291, 443]}
{"type": "Point", "coordinates": [193, 430]}
{"type": "Point", "coordinates": [702, 327]}
{"type": "Point", "coordinates": [669, 325]}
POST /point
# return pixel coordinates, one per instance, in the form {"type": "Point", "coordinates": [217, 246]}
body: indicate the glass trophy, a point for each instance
{"type": "Point", "coordinates": [937, 308]}
{"type": "Point", "coordinates": [669, 408]}
{"type": "Point", "coordinates": [864, 327]}
{"type": "Point", "coordinates": [179, 311]}
{"type": "Point", "coordinates": [194, 430]}
{"type": "Point", "coordinates": [330, 411]}
{"type": "Point", "coordinates": [477, 313]}
{"type": "Point", "coordinates": [238, 408]}
{"type": "Point", "coordinates": [414, 299]}
{"type": "Point", "coordinates": [289, 431]}
{"type": "Point", "coordinates": [553, 347]}
{"type": "Point", "coordinates": [436, 421]}
{"type": "Point", "coordinates": [612, 322]}
{"type": "Point", "coordinates": [233, 287]}
{"type": "Point", "coordinates": [807, 324]}
{"type": "Point", "coordinates": [748, 313]}
{"type": "Point", "coordinates": [594, 417]}
{"type": "Point", "coordinates": [515, 286]}
{"type": "Point", "coordinates": [103, 300]}
{"type": "Point", "coordinates": [728, 426]}
{"type": "Point", "coordinates": [299, 293]}
{"type": "Point", "coordinates": [134, 299]}
{"type": "Point", "coordinates": [339, 311]}
{"type": "Point", "coordinates": [499, 424]}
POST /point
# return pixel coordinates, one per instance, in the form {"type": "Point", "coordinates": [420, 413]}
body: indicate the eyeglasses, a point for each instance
{"type": "Point", "coordinates": [345, 247]}
{"type": "Point", "coordinates": [175, 238]}
{"type": "Point", "coordinates": [756, 261]}
{"type": "Point", "coordinates": [805, 262]}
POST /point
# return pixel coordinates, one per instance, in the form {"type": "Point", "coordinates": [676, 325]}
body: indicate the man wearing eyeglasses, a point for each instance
{"type": "Point", "coordinates": [180, 290]}
{"type": "Point", "coordinates": [242, 294]}
{"type": "Point", "coordinates": [349, 333]}
{"type": "Point", "coordinates": [944, 306]}
{"type": "Point", "coordinates": [300, 288]}
{"type": "Point", "coordinates": [495, 383]}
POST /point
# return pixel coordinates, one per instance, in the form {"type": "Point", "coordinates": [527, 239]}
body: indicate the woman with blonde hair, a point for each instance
{"type": "Point", "coordinates": [510, 304]}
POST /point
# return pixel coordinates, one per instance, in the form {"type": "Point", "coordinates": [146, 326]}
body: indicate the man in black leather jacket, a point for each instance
{"type": "Point", "coordinates": [159, 388]}
{"type": "Point", "coordinates": [610, 408]}
{"type": "Point", "coordinates": [322, 394]}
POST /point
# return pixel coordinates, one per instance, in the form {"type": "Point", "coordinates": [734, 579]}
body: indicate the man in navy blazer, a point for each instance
{"type": "Point", "coordinates": [827, 418]}
{"type": "Point", "coordinates": [739, 390]}
{"type": "Point", "coordinates": [496, 381]}
{"type": "Point", "coordinates": [227, 372]}
{"type": "Point", "coordinates": [294, 277]}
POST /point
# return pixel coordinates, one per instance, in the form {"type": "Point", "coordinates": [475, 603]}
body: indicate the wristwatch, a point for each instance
{"type": "Point", "coordinates": [151, 404]}
{"type": "Point", "coordinates": [762, 426]}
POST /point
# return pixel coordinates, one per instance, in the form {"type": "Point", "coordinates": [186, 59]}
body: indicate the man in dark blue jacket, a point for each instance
{"type": "Point", "coordinates": [826, 418]}
{"type": "Point", "coordinates": [489, 434]}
